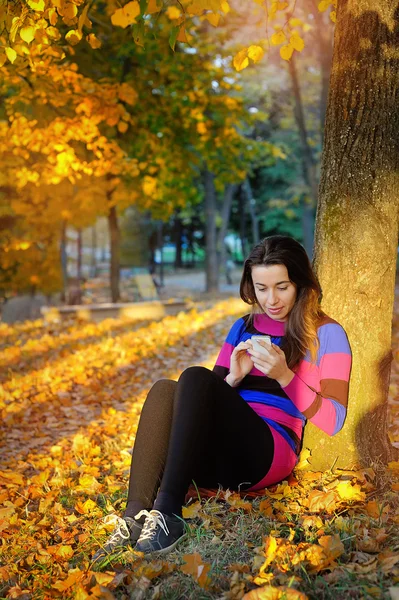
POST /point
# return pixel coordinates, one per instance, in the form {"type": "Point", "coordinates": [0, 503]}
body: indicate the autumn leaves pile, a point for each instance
{"type": "Point", "coordinates": [70, 399]}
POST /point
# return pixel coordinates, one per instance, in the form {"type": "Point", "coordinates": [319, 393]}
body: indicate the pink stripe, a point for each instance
{"type": "Point", "coordinates": [301, 395]}
{"type": "Point", "coordinates": [223, 360]}
{"type": "Point", "coordinates": [280, 416]}
{"type": "Point", "coordinates": [326, 417]}
{"type": "Point", "coordinates": [336, 366]}
{"type": "Point", "coordinates": [284, 461]}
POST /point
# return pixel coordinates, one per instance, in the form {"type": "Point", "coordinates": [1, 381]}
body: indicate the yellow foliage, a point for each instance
{"type": "Point", "coordinates": [286, 51]}
{"type": "Point", "coordinates": [255, 53]}
{"type": "Point", "coordinates": [241, 60]}
{"type": "Point", "coordinates": [278, 38]}
{"type": "Point", "coordinates": [173, 12]}
{"type": "Point", "coordinates": [123, 17]}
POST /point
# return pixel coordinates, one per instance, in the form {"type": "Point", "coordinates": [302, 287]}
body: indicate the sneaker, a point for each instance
{"type": "Point", "coordinates": [127, 531]}
{"type": "Point", "coordinates": [160, 533]}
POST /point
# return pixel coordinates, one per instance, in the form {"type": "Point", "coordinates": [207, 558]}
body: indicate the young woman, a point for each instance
{"type": "Point", "coordinates": [239, 426]}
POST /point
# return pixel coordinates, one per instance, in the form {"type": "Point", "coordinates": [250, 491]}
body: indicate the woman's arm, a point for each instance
{"type": "Point", "coordinates": [326, 408]}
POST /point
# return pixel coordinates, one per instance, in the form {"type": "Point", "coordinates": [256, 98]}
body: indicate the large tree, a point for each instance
{"type": "Point", "coordinates": [357, 221]}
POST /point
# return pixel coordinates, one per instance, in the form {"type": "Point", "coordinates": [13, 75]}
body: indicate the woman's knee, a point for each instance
{"type": "Point", "coordinates": [161, 391]}
{"type": "Point", "coordinates": [196, 374]}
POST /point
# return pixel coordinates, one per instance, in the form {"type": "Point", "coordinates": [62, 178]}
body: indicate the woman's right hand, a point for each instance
{"type": "Point", "coordinates": [241, 363]}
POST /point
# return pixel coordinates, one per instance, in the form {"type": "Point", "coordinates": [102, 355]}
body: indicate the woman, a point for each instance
{"type": "Point", "coordinates": [239, 426]}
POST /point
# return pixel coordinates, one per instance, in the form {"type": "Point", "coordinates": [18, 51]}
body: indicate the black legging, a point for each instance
{"type": "Point", "coordinates": [196, 429]}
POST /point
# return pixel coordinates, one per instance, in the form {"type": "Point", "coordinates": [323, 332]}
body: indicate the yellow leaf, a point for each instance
{"type": "Point", "coordinates": [191, 512]}
{"type": "Point", "coordinates": [332, 544]}
{"type": "Point", "coordinates": [123, 17]}
{"type": "Point", "coordinates": [11, 54]}
{"type": "Point", "coordinates": [255, 53]}
{"type": "Point", "coordinates": [278, 38]}
{"type": "Point", "coordinates": [173, 12]}
{"type": "Point", "coordinates": [303, 459]}
{"type": "Point", "coordinates": [286, 51]}
{"type": "Point", "coordinates": [153, 7]}
{"type": "Point", "coordinates": [89, 483]}
{"type": "Point", "coordinates": [213, 19]}
{"type": "Point", "coordinates": [333, 16]}
{"type": "Point", "coordinates": [265, 508]}
{"type": "Point", "coordinates": [122, 126]}
{"type": "Point", "coordinates": [93, 41]}
{"type": "Point", "coordinates": [104, 578]}
{"type": "Point", "coordinates": [70, 11]}
{"type": "Point", "coordinates": [269, 592]}
{"type": "Point", "coordinates": [294, 22]}
{"type": "Point", "coordinates": [27, 34]}
{"type": "Point", "coordinates": [241, 60]}
{"type": "Point", "coordinates": [323, 5]}
{"type": "Point", "coordinates": [347, 491]}
{"type": "Point", "coordinates": [149, 185]}
{"type": "Point", "coordinates": [297, 42]}
{"type": "Point", "coordinates": [225, 7]}
{"type": "Point", "coordinates": [65, 552]}
{"type": "Point", "coordinates": [73, 37]}
{"type": "Point", "coordinates": [74, 575]}
{"type": "Point", "coordinates": [127, 94]}
{"type": "Point", "coordinates": [195, 9]}
{"type": "Point", "coordinates": [37, 5]}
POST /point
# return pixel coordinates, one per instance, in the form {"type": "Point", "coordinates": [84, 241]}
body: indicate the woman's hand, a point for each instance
{"type": "Point", "coordinates": [240, 362]}
{"type": "Point", "coordinates": [273, 364]}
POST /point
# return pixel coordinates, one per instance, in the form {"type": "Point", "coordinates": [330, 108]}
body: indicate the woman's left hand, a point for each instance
{"type": "Point", "coordinates": [273, 364]}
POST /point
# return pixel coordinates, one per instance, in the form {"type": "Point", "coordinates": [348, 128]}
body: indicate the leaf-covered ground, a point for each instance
{"type": "Point", "coordinates": [70, 399]}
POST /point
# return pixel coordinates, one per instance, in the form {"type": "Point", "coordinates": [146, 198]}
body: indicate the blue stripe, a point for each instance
{"type": "Point", "coordinates": [284, 404]}
{"type": "Point", "coordinates": [340, 412]}
{"type": "Point", "coordinates": [282, 431]}
{"type": "Point", "coordinates": [235, 334]}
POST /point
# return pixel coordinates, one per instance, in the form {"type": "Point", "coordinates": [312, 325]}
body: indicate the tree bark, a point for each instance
{"type": "Point", "coordinates": [252, 212]}
{"type": "Point", "coordinates": [243, 229]}
{"type": "Point", "coordinates": [323, 37]}
{"type": "Point", "coordinates": [64, 263]}
{"type": "Point", "coordinates": [93, 268]}
{"type": "Point", "coordinates": [114, 237]}
{"type": "Point", "coordinates": [211, 259]}
{"type": "Point", "coordinates": [226, 211]}
{"type": "Point", "coordinates": [308, 163]}
{"type": "Point", "coordinates": [357, 223]}
{"type": "Point", "coordinates": [178, 235]}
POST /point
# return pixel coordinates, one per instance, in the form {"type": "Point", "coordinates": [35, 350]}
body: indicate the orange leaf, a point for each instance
{"type": "Point", "coordinates": [74, 576]}
{"type": "Point", "coordinates": [197, 568]}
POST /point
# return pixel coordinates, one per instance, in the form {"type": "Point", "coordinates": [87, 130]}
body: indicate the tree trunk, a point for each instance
{"type": "Point", "coordinates": [322, 33]}
{"type": "Point", "coordinates": [252, 212]}
{"type": "Point", "coordinates": [178, 241]}
{"type": "Point", "coordinates": [243, 229]}
{"type": "Point", "coordinates": [64, 264]}
{"type": "Point", "coordinates": [93, 270]}
{"type": "Point", "coordinates": [308, 164]}
{"type": "Point", "coordinates": [114, 237]}
{"type": "Point", "coordinates": [226, 211]}
{"type": "Point", "coordinates": [357, 223]}
{"type": "Point", "coordinates": [211, 259]}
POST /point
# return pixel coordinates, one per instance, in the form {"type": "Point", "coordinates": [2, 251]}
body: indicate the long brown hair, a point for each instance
{"type": "Point", "coordinates": [305, 315]}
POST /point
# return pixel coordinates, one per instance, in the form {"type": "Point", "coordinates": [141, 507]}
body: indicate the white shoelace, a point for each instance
{"type": "Point", "coordinates": [121, 529]}
{"type": "Point", "coordinates": [153, 519]}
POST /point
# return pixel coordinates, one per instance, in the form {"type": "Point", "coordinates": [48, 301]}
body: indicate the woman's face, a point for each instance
{"type": "Point", "coordinates": [274, 290]}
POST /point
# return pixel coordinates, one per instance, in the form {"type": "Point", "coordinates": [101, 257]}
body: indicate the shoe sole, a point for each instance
{"type": "Point", "coordinates": [167, 549]}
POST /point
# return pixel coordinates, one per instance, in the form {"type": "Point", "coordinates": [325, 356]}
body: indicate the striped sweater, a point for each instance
{"type": "Point", "coordinates": [318, 393]}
